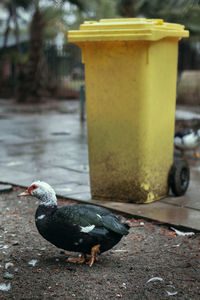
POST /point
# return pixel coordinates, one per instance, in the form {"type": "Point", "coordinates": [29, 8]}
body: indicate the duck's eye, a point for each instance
{"type": "Point", "coordinates": [34, 187]}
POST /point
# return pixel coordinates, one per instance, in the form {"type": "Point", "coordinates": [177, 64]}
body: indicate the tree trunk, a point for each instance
{"type": "Point", "coordinates": [126, 8]}
{"type": "Point", "coordinates": [14, 14]}
{"type": "Point", "coordinates": [31, 79]}
{"type": "Point", "coordinates": [7, 30]}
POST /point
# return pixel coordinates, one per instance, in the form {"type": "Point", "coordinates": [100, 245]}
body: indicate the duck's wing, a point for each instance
{"type": "Point", "coordinates": [89, 217]}
{"type": "Point", "coordinates": [190, 139]}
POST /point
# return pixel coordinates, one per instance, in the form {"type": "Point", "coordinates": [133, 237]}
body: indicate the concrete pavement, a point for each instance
{"type": "Point", "coordinates": [48, 142]}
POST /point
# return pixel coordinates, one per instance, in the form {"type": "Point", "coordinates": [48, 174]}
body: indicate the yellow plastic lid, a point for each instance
{"type": "Point", "coordinates": [126, 30]}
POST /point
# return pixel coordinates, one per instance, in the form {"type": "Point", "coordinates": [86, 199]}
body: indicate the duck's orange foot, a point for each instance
{"type": "Point", "coordinates": [79, 260]}
{"type": "Point", "coordinates": [196, 154]}
{"type": "Point", "coordinates": [94, 254]}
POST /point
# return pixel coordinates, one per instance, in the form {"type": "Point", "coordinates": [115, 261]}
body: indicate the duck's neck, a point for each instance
{"type": "Point", "coordinates": [49, 200]}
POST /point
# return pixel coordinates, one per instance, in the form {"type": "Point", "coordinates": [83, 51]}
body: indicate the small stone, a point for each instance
{"type": "Point", "coordinates": [7, 275]}
{"type": "Point", "coordinates": [12, 234]}
{"type": "Point", "coordinates": [5, 287]}
{"type": "Point", "coordinates": [5, 187]}
{"type": "Point", "coordinates": [4, 247]}
{"type": "Point", "coordinates": [15, 243]}
{"type": "Point", "coordinates": [8, 264]}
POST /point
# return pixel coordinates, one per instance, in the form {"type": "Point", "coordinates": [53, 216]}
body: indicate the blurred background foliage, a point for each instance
{"type": "Point", "coordinates": [36, 60]}
{"type": "Point", "coordinates": [185, 12]}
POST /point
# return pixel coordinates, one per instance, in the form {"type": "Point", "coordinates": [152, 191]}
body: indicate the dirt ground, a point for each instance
{"type": "Point", "coordinates": [31, 268]}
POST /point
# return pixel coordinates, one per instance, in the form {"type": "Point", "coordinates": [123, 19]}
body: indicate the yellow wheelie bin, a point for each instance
{"type": "Point", "coordinates": [130, 76]}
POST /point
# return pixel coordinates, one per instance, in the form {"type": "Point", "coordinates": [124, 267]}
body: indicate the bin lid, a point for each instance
{"type": "Point", "coordinates": [126, 30]}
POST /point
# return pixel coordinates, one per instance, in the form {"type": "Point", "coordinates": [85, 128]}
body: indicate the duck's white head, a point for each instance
{"type": "Point", "coordinates": [43, 191]}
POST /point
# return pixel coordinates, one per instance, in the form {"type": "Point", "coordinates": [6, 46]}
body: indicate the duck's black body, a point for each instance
{"type": "Point", "coordinates": [187, 140]}
{"type": "Point", "coordinates": [182, 133]}
{"type": "Point", "coordinates": [79, 227]}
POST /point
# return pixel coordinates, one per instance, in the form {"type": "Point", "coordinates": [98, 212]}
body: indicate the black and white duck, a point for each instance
{"type": "Point", "coordinates": [187, 140]}
{"type": "Point", "coordinates": [82, 228]}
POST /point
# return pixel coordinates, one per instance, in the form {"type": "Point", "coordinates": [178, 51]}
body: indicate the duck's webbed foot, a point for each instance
{"type": "Point", "coordinates": [79, 260]}
{"type": "Point", "coordinates": [94, 254]}
{"type": "Point", "coordinates": [196, 154]}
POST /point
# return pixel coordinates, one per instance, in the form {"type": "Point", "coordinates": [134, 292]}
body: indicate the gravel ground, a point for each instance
{"type": "Point", "coordinates": [31, 268]}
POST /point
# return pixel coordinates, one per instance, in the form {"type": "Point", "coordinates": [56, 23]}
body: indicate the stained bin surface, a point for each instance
{"type": "Point", "coordinates": [130, 73]}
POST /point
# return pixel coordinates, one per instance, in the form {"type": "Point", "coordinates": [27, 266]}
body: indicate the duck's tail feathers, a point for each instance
{"type": "Point", "coordinates": [112, 223]}
{"type": "Point", "coordinates": [127, 227]}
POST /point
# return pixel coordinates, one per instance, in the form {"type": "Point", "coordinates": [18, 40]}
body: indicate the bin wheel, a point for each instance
{"type": "Point", "coordinates": [179, 177]}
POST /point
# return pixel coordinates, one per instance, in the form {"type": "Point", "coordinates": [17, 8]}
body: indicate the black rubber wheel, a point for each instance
{"type": "Point", "coordinates": [179, 177]}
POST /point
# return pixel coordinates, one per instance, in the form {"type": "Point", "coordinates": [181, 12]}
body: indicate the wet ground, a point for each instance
{"type": "Point", "coordinates": [152, 262]}
{"type": "Point", "coordinates": [49, 142]}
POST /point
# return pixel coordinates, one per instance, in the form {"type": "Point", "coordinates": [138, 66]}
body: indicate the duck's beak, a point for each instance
{"type": "Point", "coordinates": [26, 193]}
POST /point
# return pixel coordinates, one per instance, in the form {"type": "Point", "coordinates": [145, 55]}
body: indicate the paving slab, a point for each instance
{"type": "Point", "coordinates": [5, 187]}
{"type": "Point", "coordinates": [49, 142]}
